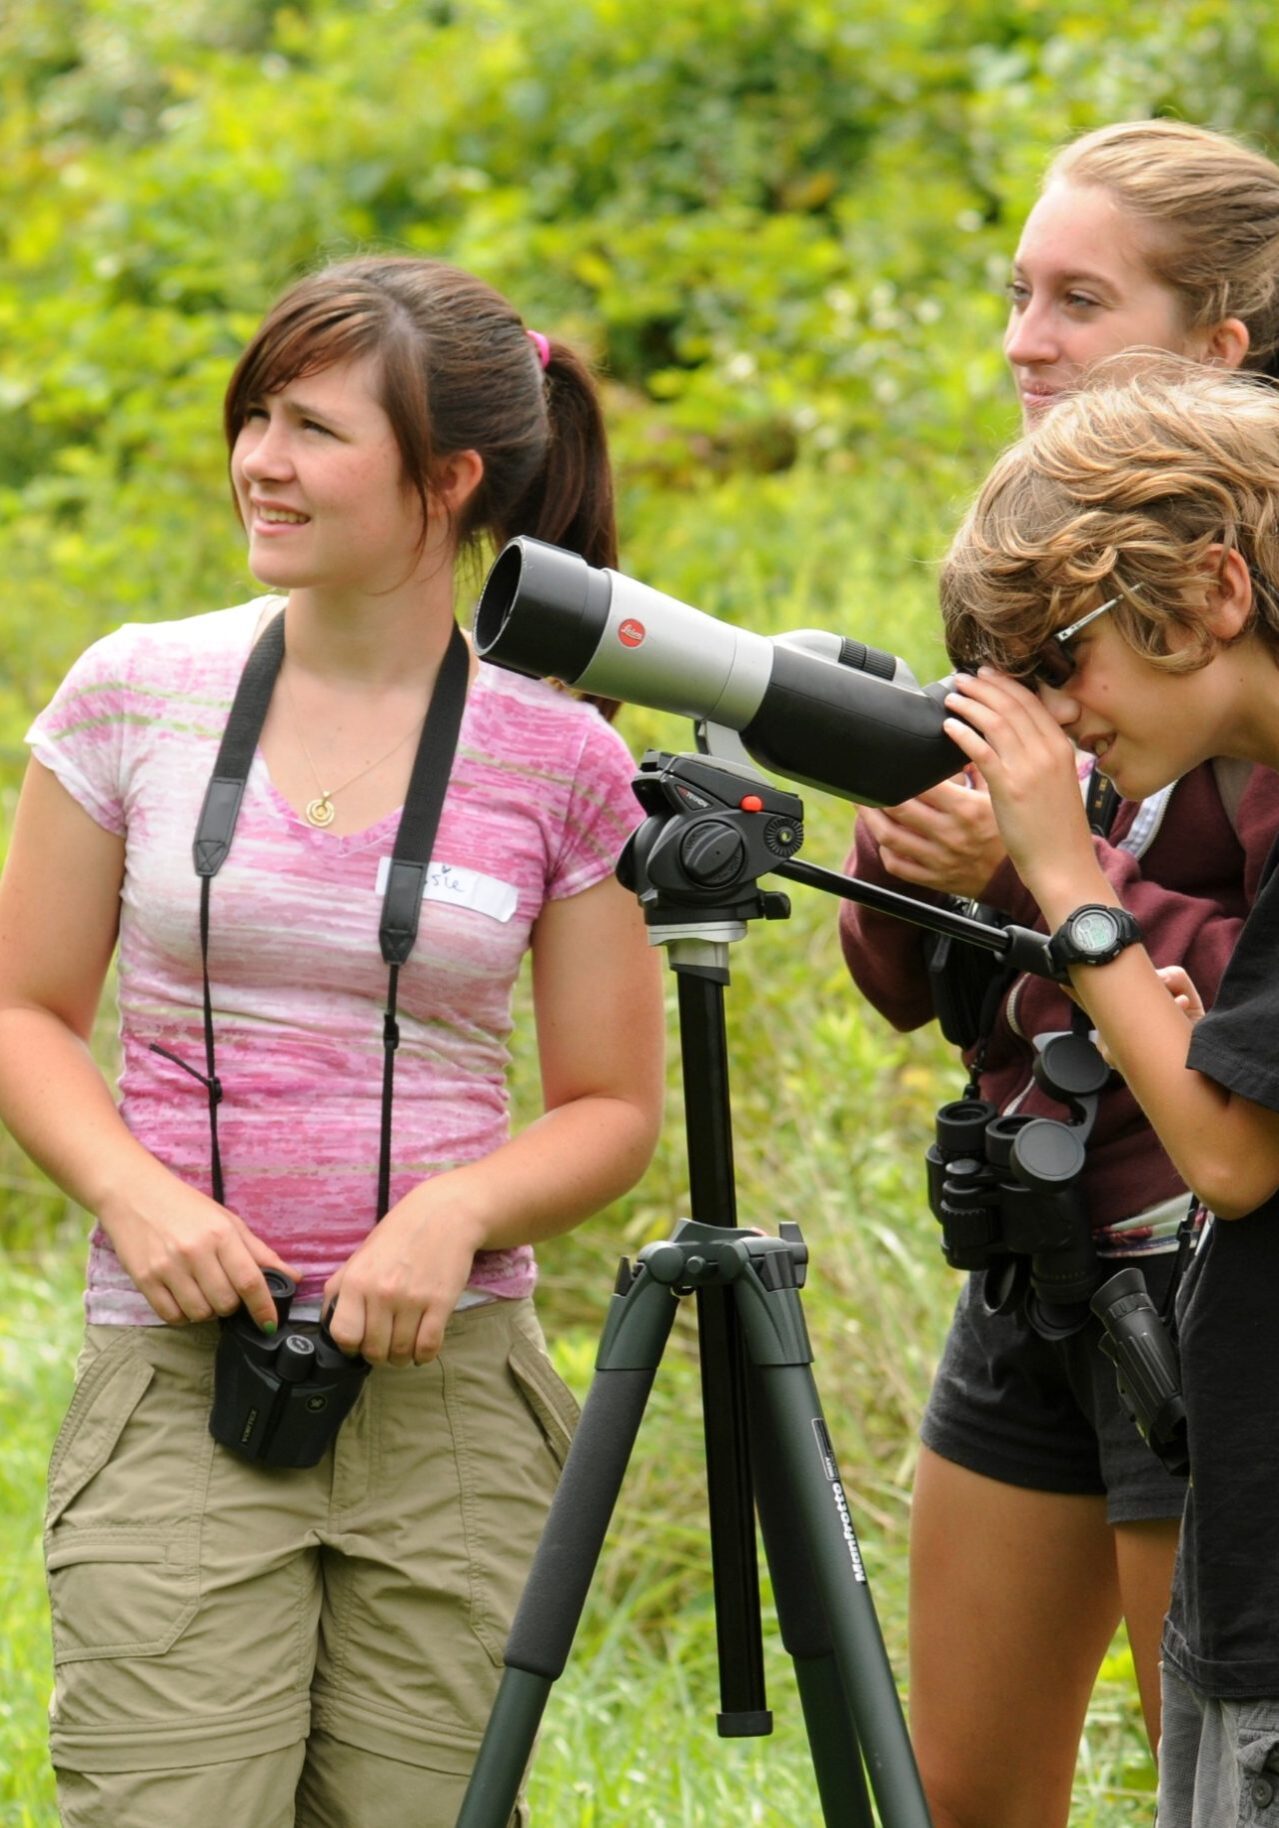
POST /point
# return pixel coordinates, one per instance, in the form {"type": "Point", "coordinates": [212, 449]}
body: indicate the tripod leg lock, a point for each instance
{"type": "Point", "coordinates": [768, 1305]}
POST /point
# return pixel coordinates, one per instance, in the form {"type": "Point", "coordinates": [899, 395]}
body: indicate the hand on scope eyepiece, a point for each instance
{"type": "Point", "coordinates": [1031, 769]}
{"type": "Point", "coordinates": [945, 839]}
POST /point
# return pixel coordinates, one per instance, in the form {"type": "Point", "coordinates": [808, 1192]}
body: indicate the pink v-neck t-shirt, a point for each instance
{"type": "Point", "coordinates": [538, 808]}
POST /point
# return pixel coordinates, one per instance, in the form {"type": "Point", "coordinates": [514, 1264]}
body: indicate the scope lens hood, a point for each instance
{"type": "Point", "coordinates": [563, 604]}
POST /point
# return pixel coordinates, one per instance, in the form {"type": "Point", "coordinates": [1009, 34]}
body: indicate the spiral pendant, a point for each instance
{"type": "Point", "coordinates": [320, 812]}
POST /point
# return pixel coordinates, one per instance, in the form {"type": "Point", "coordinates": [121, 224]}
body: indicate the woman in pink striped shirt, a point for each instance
{"type": "Point", "coordinates": [238, 1641]}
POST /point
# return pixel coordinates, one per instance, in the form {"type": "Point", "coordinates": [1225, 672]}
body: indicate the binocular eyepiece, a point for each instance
{"type": "Point", "coordinates": [1138, 1344]}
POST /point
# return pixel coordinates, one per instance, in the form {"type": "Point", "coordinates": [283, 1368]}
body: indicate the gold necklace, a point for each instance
{"type": "Point", "coordinates": [321, 811]}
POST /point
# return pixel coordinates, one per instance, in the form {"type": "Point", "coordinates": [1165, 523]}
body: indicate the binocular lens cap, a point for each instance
{"type": "Point", "coordinates": [1070, 1066]}
{"type": "Point", "coordinates": [1047, 1151]}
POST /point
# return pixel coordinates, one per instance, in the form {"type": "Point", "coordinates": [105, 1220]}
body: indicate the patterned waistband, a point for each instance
{"type": "Point", "coordinates": [1150, 1233]}
{"type": "Point", "coordinates": [469, 1298]}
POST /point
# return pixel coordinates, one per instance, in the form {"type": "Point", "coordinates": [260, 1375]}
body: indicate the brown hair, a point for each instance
{"type": "Point", "coordinates": [1122, 490]}
{"type": "Point", "coordinates": [1213, 204]}
{"type": "Point", "coordinates": [459, 372]}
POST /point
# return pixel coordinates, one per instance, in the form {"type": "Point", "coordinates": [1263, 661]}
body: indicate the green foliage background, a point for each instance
{"type": "Point", "coordinates": [781, 228]}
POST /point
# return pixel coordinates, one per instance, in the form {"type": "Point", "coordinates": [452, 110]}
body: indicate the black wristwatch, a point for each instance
{"type": "Point", "coordinates": [1092, 935]}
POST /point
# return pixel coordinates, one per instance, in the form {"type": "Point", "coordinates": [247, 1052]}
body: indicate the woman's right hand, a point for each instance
{"type": "Point", "coordinates": [945, 839]}
{"type": "Point", "coordinates": [190, 1257]}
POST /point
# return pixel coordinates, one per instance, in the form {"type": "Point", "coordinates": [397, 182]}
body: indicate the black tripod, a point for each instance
{"type": "Point", "coordinates": [713, 828]}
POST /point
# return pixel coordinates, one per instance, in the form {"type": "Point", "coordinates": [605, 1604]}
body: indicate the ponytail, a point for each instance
{"type": "Point", "coordinates": [572, 504]}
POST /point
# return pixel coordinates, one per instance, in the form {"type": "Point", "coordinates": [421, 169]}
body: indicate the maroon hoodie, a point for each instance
{"type": "Point", "coordinates": [1190, 889]}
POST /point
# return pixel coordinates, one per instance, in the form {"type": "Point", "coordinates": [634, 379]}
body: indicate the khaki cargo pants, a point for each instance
{"type": "Point", "coordinates": [245, 1647]}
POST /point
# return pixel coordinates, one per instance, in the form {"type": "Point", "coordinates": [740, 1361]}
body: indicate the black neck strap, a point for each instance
{"type": "Point", "coordinates": [406, 876]}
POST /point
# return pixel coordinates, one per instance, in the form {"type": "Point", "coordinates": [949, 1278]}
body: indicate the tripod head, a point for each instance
{"type": "Point", "coordinates": [713, 828]}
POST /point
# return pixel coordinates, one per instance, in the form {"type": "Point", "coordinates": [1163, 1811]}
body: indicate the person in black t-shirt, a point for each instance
{"type": "Point", "coordinates": [1143, 517]}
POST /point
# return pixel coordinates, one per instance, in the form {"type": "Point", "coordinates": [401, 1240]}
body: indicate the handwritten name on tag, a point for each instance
{"type": "Point", "coordinates": [462, 888]}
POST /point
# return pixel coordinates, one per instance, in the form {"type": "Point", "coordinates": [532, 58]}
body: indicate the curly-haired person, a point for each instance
{"type": "Point", "coordinates": [1155, 493]}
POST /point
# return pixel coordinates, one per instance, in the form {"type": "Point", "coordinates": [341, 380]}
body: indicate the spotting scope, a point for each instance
{"type": "Point", "coordinates": [814, 706]}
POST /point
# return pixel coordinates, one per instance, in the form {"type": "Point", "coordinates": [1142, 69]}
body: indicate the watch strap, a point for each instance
{"type": "Point", "coordinates": [1065, 950]}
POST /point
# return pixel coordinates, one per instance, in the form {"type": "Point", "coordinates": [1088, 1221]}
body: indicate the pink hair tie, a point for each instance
{"type": "Point", "coordinates": [542, 346]}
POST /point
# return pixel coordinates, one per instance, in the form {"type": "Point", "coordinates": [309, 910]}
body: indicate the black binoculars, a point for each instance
{"type": "Point", "coordinates": [1005, 1190]}
{"type": "Point", "coordinates": [280, 1398]}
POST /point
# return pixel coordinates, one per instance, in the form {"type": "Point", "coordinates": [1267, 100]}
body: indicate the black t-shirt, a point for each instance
{"type": "Point", "coordinates": [1223, 1629]}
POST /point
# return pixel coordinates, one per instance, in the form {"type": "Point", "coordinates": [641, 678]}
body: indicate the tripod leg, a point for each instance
{"type": "Point", "coordinates": [777, 1345]}
{"type": "Point", "coordinates": [551, 1606]}
{"type": "Point", "coordinates": [806, 1635]}
{"type": "Point", "coordinates": [730, 1497]}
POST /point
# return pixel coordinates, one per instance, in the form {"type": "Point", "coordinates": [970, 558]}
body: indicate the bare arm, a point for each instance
{"type": "Point", "coordinates": [59, 918]}
{"type": "Point", "coordinates": [1224, 1146]}
{"type": "Point", "coordinates": [598, 1004]}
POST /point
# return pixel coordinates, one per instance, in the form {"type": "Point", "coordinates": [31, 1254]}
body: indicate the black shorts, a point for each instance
{"type": "Point", "coordinates": [1044, 1414]}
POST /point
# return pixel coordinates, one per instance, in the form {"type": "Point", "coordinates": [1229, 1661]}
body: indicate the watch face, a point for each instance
{"type": "Point", "coordinates": [1095, 930]}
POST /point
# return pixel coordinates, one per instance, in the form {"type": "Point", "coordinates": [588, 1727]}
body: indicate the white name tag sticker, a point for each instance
{"type": "Point", "coordinates": [462, 888]}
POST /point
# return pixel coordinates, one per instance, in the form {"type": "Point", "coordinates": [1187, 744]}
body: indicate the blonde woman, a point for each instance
{"type": "Point", "coordinates": [1159, 496]}
{"type": "Point", "coordinates": [1039, 1517]}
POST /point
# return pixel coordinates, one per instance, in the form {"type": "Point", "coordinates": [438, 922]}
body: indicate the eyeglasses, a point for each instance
{"type": "Point", "coordinates": [1053, 664]}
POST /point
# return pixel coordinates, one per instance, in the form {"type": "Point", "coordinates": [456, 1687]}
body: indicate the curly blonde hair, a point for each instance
{"type": "Point", "coordinates": [1211, 205]}
{"type": "Point", "coordinates": [1124, 491]}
